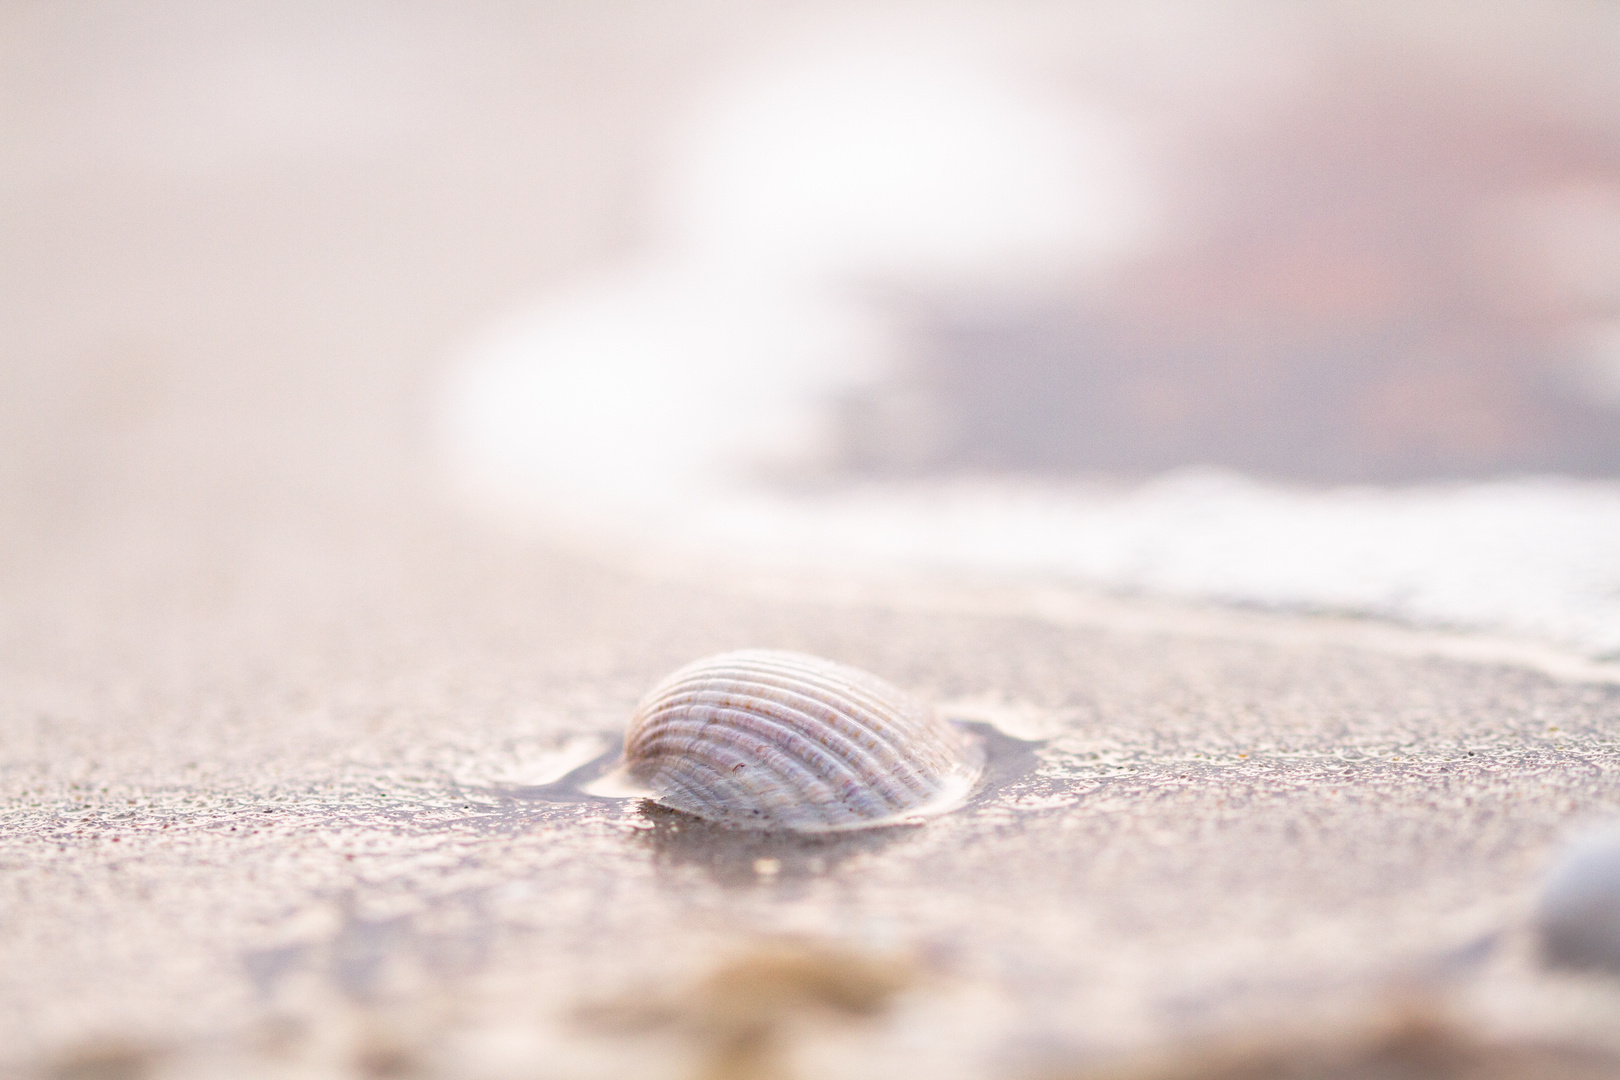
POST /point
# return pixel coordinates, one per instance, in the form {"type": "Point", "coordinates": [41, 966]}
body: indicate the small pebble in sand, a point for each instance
{"type": "Point", "coordinates": [1578, 918]}
{"type": "Point", "coordinates": [766, 739]}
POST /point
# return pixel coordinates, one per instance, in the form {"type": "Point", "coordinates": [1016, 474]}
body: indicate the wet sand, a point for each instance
{"type": "Point", "coordinates": [273, 715]}
{"type": "Point", "coordinates": [278, 807]}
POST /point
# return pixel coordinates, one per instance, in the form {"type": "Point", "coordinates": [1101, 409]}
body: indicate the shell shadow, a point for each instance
{"type": "Point", "coordinates": [741, 858]}
{"type": "Point", "coordinates": [1006, 759]}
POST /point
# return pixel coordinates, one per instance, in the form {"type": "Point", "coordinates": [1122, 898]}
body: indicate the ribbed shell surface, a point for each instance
{"type": "Point", "coordinates": [768, 739]}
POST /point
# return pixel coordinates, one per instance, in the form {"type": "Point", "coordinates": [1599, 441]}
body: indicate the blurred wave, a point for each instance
{"type": "Point", "coordinates": [913, 301]}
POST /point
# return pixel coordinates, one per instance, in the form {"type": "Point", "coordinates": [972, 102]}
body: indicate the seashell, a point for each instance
{"type": "Point", "coordinates": [768, 739]}
{"type": "Point", "coordinates": [1578, 916]}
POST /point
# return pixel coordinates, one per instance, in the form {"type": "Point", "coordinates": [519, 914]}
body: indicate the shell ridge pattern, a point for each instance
{"type": "Point", "coordinates": [706, 779]}
{"type": "Point", "coordinates": [696, 786]}
{"type": "Point", "coordinates": [794, 707]}
{"type": "Point", "coordinates": [703, 786]}
{"type": "Point", "coordinates": [847, 683]}
{"type": "Point", "coordinates": [771, 739]}
{"type": "Point", "coordinates": [899, 719]}
{"type": "Point", "coordinates": [829, 803]}
{"type": "Point", "coordinates": [839, 777]}
{"type": "Point", "coordinates": [768, 792]}
{"type": "Point", "coordinates": [721, 756]}
{"type": "Point", "coordinates": [850, 741]}
{"type": "Point", "coordinates": [881, 718]}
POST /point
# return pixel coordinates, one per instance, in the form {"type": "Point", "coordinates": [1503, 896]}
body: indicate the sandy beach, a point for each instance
{"type": "Point", "coordinates": [281, 726]}
{"type": "Point", "coordinates": [273, 820]}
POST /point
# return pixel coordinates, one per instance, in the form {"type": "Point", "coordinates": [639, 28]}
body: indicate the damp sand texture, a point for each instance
{"type": "Point", "coordinates": [294, 833]}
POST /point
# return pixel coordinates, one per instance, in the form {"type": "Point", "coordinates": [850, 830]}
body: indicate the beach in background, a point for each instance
{"type": "Point", "coordinates": [1321, 318]}
{"type": "Point", "coordinates": [1217, 405]}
